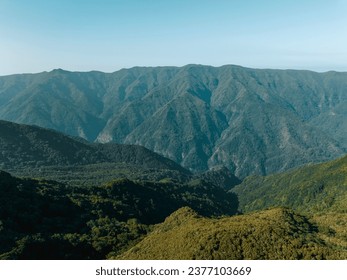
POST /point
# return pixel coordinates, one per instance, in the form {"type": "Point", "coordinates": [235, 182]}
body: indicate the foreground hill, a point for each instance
{"type": "Point", "coordinates": [42, 219]}
{"type": "Point", "coordinates": [273, 234]}
{"type": "Point", "coordinates": [318, 188]}
{"type": "Point", "coordinates": [319, 191]}
{"type": "Point", "coordinates": [251, 121]}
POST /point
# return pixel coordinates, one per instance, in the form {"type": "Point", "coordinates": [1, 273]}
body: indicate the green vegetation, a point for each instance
{"type": "Point", "coordinates": [28, 147]}
{"type": "Point", "coordinates": [50, 220]}
{"type": "Point", "coordinates": [312, 189]}
{"type": "Point", "coordinates": [97, 201]}
{"type": "Point", "coordinates": [252, 121]}
{"type": "Point", "coordinates": [29, 151]}
{"type": "Point", "coordinates": [272, 234]}
{"type": "Point", "coordinates": [95, 174]}
{"type": "Point", "coordinates": [318, 191]}
{"type": "Point", "coordinates": [333, 229]}
{"type": "Point", "coordinates": [123, 219]}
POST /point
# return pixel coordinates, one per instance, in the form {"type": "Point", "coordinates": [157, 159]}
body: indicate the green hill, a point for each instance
{"type": "Point", "coordinates": [318, 191]}
{"type": "Point", "coordinates": [272, 234]}
{"type": "Point", "coordinates": [318, 188]}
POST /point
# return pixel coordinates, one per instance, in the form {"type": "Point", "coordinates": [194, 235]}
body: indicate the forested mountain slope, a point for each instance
{"type": "Point", "coordinates": [252, 121]}
{"type": "Point", "coordinates": [318, 188]}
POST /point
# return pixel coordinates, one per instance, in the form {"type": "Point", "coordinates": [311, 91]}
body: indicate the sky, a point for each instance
{"type": "Point", "coordinates": [107, 35]}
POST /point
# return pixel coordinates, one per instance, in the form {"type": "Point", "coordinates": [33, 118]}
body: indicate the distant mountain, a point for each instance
{"type": "Point", "coordinates": [251, 121]}
{"type": "Point", "coordinates": [312, 189]}
{"type": "Point", "coordinates": [24, 146]}
{"type": "Point", "coordinates": [273, 234]}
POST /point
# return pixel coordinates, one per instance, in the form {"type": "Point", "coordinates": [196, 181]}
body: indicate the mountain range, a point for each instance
{"type": "Point", "coordinates": [252, 121]}
{"type": "Point", "coordinates": [141, 164]}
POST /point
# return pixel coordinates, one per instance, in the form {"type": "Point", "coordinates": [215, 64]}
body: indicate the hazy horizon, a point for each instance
{"type": "Point", "coordinates": [107, 35]}
{"type": "Point", "coordinates": [178, 66]}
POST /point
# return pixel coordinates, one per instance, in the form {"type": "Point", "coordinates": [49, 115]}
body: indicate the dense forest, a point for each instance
{"type": "Point", "coordinates": [42, 219]}
{"type": "Point", "coordinates": [65, 198]}
{"type": "Point", "coordinates": [277, 233]}
{"type": "Point", "coordinates": [137, 219]}
{"type": "Point", "coordinates": [312, 189]}
{"type": "Point", "coordinates": [299, 214]}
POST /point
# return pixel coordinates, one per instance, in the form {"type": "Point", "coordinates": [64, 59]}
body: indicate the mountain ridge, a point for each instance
{"type": "Point", "coordinates": [233, 104]}
{"type": "Point", "coordinates": [32, 146]}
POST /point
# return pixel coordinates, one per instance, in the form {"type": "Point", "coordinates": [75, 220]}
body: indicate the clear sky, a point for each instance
{"type": "Point", "coordinates": [107, 35]}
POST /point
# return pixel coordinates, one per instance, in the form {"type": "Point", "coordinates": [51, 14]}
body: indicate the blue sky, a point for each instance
{"type": "Point", "coordinates": [107, 35]}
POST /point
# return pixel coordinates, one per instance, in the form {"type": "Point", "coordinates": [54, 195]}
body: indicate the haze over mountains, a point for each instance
{"type": "Point", "coordinates": [252, 121]}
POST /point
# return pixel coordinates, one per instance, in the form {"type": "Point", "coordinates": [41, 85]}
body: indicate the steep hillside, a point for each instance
{"type": "Point", "coordinates": [251, 121]}
{"type": "Point", "coordinates": [311, 189]}
{"type": "Point", "coordinates": [273, 234]}
{"type": "Point", "coordinates": [187, 127]}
